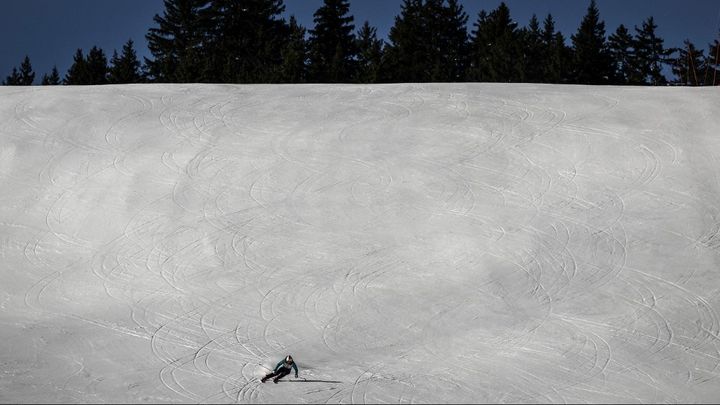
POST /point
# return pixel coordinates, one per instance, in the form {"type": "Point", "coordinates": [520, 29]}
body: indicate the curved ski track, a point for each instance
{"type": "Point", "coordinates": [417, 243]}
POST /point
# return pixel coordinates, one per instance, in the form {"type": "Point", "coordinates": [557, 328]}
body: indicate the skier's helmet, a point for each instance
{"type": "Point", "coordinates": [289, 359]}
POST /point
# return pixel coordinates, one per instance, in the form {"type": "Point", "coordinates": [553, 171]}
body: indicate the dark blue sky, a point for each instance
{"type": "Point", "coordinates": [50, 31]}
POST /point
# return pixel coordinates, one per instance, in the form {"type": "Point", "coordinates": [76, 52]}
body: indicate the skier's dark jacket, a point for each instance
{"type": "Point", "coordinates": [282, 364]}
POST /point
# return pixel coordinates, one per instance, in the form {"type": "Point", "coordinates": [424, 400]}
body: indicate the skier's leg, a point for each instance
{"type": "Point", "coordinates": [282, 373]}
{"type": "Point", "coordinates": [268, 376]}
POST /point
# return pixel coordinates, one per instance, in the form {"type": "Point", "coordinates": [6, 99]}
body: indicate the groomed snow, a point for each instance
{"type": "Point", "coordinates": [405, 243]}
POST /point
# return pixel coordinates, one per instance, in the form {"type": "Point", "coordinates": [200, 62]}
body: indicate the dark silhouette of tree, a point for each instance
{"type": "Point", "coordinates": [428, 42]}
{"type": "Point", "coordinates": [496, 54]}
{"type": "Point", "coordinates": [176, 42]}
{"type": "Point", "coordinates": [97, 66]}
{"type": "Point", "coordinates": [591, 60]}
{"type": "Point", "coordinates": [294, 54]}
{"type": "Point", "coordinates": [620, 46]}
{"type": "Point", "coordinates": [688, 65]}
{"type": "Point", "coordinates": [125, 68]}
{"type": "Point", "coordinates": [53, 79]}
{"type": "Point", "coordinates": [713, 64]}
{"type": "Point", "coordinates": [369, 57]}
{"type": "Point", "coordinates": [533, 51]}
{"type": "Point", "coordinates": [556, 57]}
{"type": "Point", "coordinates": [447, 40]}
{"type": "Point", "coordinates": [404, 57]}
{"type": "Point", "coordinates": [27, 76]}
{"type": "Point", "coordinates": [78, 73]}
{"type": "Point", "coordinates": [650, 54]}
{"type": "Point", "coordinates": [245, 41]}
{"type": "Point", "coordinates": [90, 70]}
{"type": "Point", "coordinates": [14, 79]}
{"type": "Point", "coordinates": [332, 43]}
{"type": "Point", "coordinates": [23, 77]}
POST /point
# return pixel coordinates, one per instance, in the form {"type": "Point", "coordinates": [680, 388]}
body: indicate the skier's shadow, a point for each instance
{"type": "Point", "coordinates": [308, 381]}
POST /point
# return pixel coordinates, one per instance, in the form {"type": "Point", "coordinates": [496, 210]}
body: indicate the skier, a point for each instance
{"type": "Point", "coordinates": [282, 369]}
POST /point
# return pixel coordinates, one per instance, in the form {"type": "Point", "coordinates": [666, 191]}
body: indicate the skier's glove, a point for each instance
{"type": "Point", "coordinates": [296, 376]}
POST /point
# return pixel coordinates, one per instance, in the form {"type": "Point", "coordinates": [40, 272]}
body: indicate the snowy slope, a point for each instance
{"type": "Point", "coordinates": [405, 243]}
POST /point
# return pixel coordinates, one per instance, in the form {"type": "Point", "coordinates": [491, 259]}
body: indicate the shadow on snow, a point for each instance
{"type": "Point", "coordinates": [307, 381]}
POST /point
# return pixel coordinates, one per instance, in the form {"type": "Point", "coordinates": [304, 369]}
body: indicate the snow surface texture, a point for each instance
{"type": "Point", "coordinates": [405, 243]}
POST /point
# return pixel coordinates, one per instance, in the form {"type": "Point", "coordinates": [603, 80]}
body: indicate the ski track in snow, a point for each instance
{"type": "Point", "coordinates": [406, 243]}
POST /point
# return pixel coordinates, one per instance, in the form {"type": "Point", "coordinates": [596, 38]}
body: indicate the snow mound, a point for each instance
{"type": "Point", "coordinates": [405, 243]}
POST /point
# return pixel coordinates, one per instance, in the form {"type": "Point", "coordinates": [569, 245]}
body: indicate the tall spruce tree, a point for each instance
{"type": "Point", "coordinates": [97, 66]}
{"type": "Point", "coordinates": [90, 70]}
{"type": "Point", "coordinates": [533, 51]}
{"type": "Point", "coordinates": [555, 61]}
{"type": "Point", "coordinates": [713, 64]}
{"type": "Point", "coordinates": [332, 43]}
{"type": "Point", "coordinates": [125, 68]}
{"type": "Point", "coordinates": [294, 54]}
{"type": "Point", "coordinates": [404, 56]}
{"type": "Point", "coordinates": [688, 65]}
{"type": "Point", "coordinates": [620, 47]}
{"type": "Point", "coordinates": [432, 21]}
{"type": "Point", "coordinates": [650, 54]}
{"type": "Point", "coordinates": [496, 54]}
{"type": "Point", "coordinates": [22, 77]}
{"type": "Point", "coordinates": [591, 60]}
{"type": "Point", "coordinates": [52, 79]}
{"type": "Point", "coordinates": [176, 42]}
{"type": "Point", "coordinates": [449, 51]}
{"type": "Point", "coordinates": [27, 76]}
{"type": "Point", "coordinates": [428, 42]}
{"type": "Point", "coordinates": [245, 41]}
{"type": "Point", "coordinates": [13, 79]}
{"type": "Point", "coordinates": [78, 73]}
{"type": "Point", "coordinates": [369, 54]}
{"type": "Point", "coordinates": [479, 50]}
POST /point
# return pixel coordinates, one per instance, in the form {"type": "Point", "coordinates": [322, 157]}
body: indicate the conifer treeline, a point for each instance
{"type": "Point", "coordinates": [248, 41]}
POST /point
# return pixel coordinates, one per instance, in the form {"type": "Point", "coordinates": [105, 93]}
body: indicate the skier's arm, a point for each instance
{"type": "Point", "coordinates": [296, 370]}
{"type": "Point", "coordinates": [277, 367]}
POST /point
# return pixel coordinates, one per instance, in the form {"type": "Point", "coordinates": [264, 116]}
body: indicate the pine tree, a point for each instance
{"type": "Point", "coordinates": [78, 73]}
{"type": "Point", "coordinates": [591, 61]}
{"type": "Point", "coordinates": [448, 54]}
{"type": "Point", "coordinates": [533, 51]}
{"type": "Point", "coordinates": [620, 47]}
{"type": "Point", "coordinates": [97, 66]}
{"type": "Point", "coordinates": [688, 65]}
{"type": "Point", "coordinates": [404, 56]}
{"type": "Point", "coordinates": [294, 54]}
{"type": "Point", "coordinates": [23, 77]}
{"type": "Point", "coordinates": [556, 57]}
{"type": "Point", "coordinates": [650, 55]}
{"type": "Point", "coordinates": [548, 33]}
{"type": "Point", "coordinates": [496, 54]}
{"type": "Point", "coordinates": [176, 42]}
{"type": "Point", "coordinates": [126, 67]}
{"type": "Point", "coordinates": [332, 43]}
{"type": "Point", "coordinates": [445, 40]}
{"type": "Point", "coordinates": [244, 41]}
{"type": "Point", "coordinates": [479, 49]}
{"type": "Point", "coordinates": [53, 79]}
{"type": "Point", "coordinates": [713, 64]}
{"type": "Point", "coordinates": [27, 76]}
{"type": "Point", "coordinates": [14, 79]}
{"type": "Point", "coordinates": [428, 42]}
{"type": "Point", "coordinates": [369, 55]}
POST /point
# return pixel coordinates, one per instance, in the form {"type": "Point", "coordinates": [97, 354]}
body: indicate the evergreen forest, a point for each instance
{"type": "Point", "coordinates": [249, 41]}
